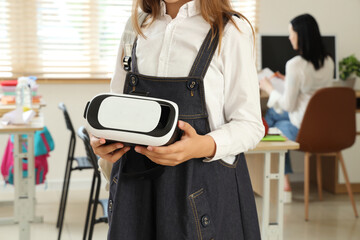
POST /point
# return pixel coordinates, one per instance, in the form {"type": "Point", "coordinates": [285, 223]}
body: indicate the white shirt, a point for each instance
{"type": "Point", "coordinates": [231, 85]}
{"type": "Point", "coordinates": [301, 82]}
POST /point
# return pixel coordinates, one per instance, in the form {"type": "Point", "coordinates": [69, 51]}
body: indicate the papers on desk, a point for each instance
{"type": "Point", "coordinates": [277, 83]}
{"type": "Point", "coordinates": [17, 116]}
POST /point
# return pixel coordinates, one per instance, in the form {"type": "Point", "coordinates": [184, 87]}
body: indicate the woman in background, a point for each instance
{"type": "Point", "coordinates": [305, 73]}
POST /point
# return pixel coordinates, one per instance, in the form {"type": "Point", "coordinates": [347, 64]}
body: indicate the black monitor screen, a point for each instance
{"type": "Point", "coordinates": [277, 50]}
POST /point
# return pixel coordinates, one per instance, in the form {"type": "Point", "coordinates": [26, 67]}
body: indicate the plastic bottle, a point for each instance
{"type": "Point", "coordinates": [23, 94]}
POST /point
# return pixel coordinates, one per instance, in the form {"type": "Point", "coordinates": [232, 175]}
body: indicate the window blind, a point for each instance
{"type": "Point", "coordinates": [72, 39]}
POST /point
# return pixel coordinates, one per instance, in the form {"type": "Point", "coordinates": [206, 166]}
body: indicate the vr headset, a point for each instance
{"type": "Point", "coordinates": [132, 119]}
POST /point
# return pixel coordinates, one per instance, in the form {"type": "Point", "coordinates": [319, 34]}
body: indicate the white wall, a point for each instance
{"type": "Point", "coordinates": [339, 18]}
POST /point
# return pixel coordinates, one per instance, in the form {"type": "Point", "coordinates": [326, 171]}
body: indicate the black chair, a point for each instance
{"type": "Point", "coordinates": [81, 163]}
{"type": "Point", "coordinates": [94, 200]}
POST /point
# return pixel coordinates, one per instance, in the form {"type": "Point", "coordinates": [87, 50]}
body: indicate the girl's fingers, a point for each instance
{"type": "Point", "coordinates": [96, 142]}
{"type": "Point", "coordinates": [186, 127]}
{"type": "Point", "coordinates": [116, 155]}
{"type": "Point", "coordinates": [106, 149]}
{"type": "Point", "coordinates": [173, 148]}
{"type": "Point", "coordinates": [170, 159]}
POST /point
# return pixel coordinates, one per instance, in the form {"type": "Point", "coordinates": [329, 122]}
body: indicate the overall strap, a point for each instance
{"type": "Point", "coordinates": [129, 38]}
{"type": "Point", "coordinates": [205, 54]}
{"type": "Point", "coordinates": [134, 66]}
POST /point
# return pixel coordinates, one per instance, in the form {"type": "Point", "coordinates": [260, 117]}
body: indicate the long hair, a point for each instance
{"type": "Point", "coordinates": [310, 44]}
{"type": "Point", "coordinates": [215, 12]}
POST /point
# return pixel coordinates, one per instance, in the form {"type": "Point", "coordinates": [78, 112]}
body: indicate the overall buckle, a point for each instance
{"type": "Point", "coordinates": [127, 63]}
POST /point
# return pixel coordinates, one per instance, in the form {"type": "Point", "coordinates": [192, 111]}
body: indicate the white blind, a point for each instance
{"type": "Point", "coordinates": [248, 8]}
{"type": "Point", "coordinates": [68, 38]}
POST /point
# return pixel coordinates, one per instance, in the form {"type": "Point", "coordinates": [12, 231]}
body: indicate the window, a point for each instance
{"type": "Point", "coordinates": [67, 38]}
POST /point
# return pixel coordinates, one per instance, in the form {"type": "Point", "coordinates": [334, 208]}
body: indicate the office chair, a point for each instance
{"type": "Point", "coordinates": [81, 163]}
{"type": "Point", "coordinates": [94, 200]}
{"type": "Point", "coordinates": [327, 128]}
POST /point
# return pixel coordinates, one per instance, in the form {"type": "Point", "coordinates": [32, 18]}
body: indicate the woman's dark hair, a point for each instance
{"type": "Point", "coordinates": [310, 44]}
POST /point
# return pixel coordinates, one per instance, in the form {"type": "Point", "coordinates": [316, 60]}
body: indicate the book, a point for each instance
{"type": "Point", "coordinates": [277, 83]}
{"type": "Point", "coordinates": [273, 138]}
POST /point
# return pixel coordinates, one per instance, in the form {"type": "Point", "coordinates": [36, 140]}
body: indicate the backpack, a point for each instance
{"type": "Point", "coordinates": [43, 144]}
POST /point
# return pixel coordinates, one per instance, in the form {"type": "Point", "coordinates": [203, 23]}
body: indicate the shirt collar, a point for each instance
{"type": "Point", "coordinates": [189, 9]}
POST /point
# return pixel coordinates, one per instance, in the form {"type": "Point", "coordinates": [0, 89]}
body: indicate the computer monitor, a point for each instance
{"type": "Point", "coordinates": [276, 50]}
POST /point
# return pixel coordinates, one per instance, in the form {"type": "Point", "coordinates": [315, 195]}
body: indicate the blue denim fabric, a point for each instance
{"type": "Point", "coordinates": [193, 200]}
{"type": "Point", "coordinates": [282, 122]}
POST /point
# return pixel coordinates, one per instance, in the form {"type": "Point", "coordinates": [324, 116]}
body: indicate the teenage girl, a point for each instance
{"type": "Point", "coordinates": [199, 55]}
{"type": "Point", "coordinates": [305, 73]}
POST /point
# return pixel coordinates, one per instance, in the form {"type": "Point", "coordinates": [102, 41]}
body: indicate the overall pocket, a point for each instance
{"type": "Point", "coordinates": [203, 221]}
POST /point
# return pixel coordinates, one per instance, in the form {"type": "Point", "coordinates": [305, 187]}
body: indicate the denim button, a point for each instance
{"type": "Point", "coordinates": [110, 205]}
{"type": "Point", "coordinates": [133, 80]}
{"type": "Point", "coordinates": [205, 220]}
{"type": "Point", "coordinates": [192, 84]}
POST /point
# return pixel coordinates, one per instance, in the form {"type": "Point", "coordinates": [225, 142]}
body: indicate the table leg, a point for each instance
{"type": "Point", "coordinates": [280, 208]}
{"type": "Point", "coordinates": [273, 230]}
{"type": "Point", "coordinates": [21, 204]}
{"type": "Point", "coordinates": [266, 197]}
{"type": "Point", "coordinates": [17, 176]}
{"type": "Point", "coordinates": [31, 178]}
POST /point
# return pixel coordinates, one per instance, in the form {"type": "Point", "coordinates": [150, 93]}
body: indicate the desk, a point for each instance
{"type": "Point", "coordinates": [4, 108]}
{"type": "Point", "coordinates": [256, 163]}
{"type": "Point", "coordinates": [24, 203]}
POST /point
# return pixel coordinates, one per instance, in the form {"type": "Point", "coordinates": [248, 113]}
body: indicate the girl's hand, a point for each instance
{"type": "Point", "coordinates": [279, 75]}
{"type": "Point", "coordinates": [266, 85]}
{"type": "Point", "coordinates": [111, 152]}
{"type": "Point", "coordinates": [191, 145]}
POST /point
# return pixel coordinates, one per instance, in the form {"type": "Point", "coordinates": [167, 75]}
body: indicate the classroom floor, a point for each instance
{"type": "Point", "coordinates": [330, 219]}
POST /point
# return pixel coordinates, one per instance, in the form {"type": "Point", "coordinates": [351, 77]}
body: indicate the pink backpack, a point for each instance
{"type": "Point", "coordinates": [41, 165]}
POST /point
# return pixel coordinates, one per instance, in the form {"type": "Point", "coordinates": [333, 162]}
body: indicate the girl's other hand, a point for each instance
{"type": "Point", "coordinates": [191, 145]}
{"type": "Point", "coordinates": [109, 152]}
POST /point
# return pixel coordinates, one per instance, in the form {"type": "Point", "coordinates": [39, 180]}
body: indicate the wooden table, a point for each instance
{"type": "Point", "coordinates": [24, 203]}
{"type": "Point", "coordinates": [262, 173]}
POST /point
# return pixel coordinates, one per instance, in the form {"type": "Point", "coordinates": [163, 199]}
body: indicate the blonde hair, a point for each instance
{"type": "Point", "coordinates": [213, 11]}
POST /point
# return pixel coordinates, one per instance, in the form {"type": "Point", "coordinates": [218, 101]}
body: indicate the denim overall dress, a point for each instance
{"type": "Point", "coordinates": [193, 200]}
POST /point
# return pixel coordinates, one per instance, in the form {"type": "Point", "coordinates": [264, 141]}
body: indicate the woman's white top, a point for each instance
{"type": "Point", "coordinates": [231, 85]}
{"type": "Point", "coordinates": [301, 82]}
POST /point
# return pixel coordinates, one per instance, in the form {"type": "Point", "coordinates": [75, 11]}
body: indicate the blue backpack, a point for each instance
{"type": "Point", "coordinates": [43, 144]}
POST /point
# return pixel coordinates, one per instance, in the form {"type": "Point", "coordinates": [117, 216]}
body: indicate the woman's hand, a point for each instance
{"type": "Point", "coordinates": [111, 152]}
{"type": "Point", "coordinates": [279, 75]}
{"type": "Point", "coordinates": [266, 85]}
{"type": "Point", "coordinates": [191, 145]}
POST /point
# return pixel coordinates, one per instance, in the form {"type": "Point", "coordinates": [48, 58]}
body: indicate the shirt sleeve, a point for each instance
{"type": "Point", "coordinates": [287, 101]}
{"type": "Point", "coordinates": [118, 79]}
{"type": "Point", "coordinates": [243, 128]}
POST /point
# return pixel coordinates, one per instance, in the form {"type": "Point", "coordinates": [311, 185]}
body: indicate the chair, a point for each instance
{"type": "Point", "coordinates": [94, 200]}
{"type": "Point", "coordinates": [327, 128]}
{"type": "Point", "coordinates": [81, 163]}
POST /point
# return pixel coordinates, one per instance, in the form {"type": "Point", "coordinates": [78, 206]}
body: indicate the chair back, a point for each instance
{"type": "Point", "coordinates": [329, 121]}
{"type": "Point", "coordinates": [84, 136]}
{"type": "Point", "coordinates": [68, 122]}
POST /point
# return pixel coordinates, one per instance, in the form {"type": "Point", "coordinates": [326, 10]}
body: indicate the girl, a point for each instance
{"type": "Point", "coordinates": [311, 70]}
{"type": "Point", "coordinates": [197, 54]}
